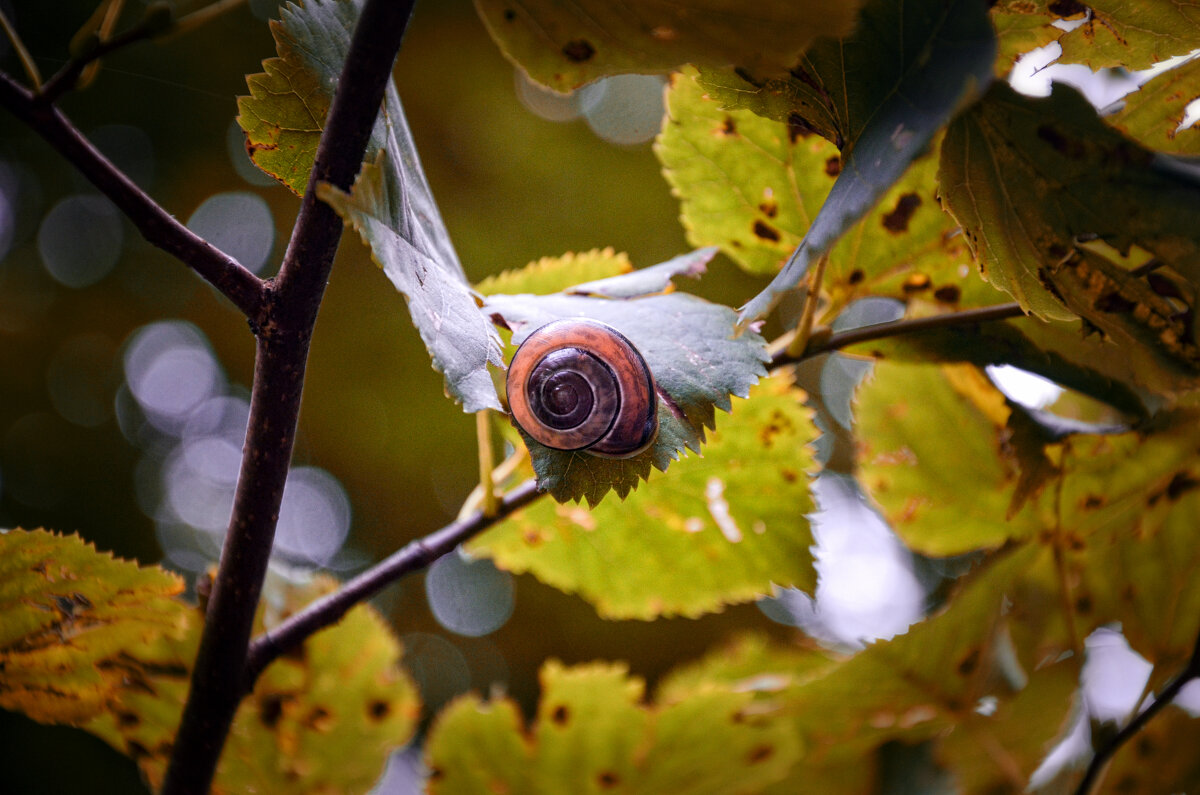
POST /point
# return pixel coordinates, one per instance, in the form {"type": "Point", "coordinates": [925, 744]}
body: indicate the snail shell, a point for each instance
{"type": "Point", "coordinates": [581, 385]}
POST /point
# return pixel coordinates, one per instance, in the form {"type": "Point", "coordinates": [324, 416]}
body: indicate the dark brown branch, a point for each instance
{"type": "Point", "coordinates": [411, 557]}
{"type": "Point", "coordinates": [218, 681]}
{"type": "Point", "coordinates": [159, 227]}
{"type": "Point", "coordinates": [1096, 766]}
{"type": "Point", "coordinates": [834, 342]}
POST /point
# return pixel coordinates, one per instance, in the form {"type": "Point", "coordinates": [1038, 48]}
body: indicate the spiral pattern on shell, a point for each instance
{"type": "Point", "coordinates": [581, 385]}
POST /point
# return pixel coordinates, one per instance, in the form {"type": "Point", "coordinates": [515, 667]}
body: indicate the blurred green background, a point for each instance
{"type": "Point", "coordinates": [512, 187]}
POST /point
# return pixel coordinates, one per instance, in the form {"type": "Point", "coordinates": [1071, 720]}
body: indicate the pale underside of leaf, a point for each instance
{"type": "Point", "coordinates": [391, 205]}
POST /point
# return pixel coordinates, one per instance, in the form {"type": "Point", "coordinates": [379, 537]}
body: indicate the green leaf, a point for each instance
{"type": "Point", "coordinates": [697, 362]}
{"type": "Point", "coordinates": [722, 528]}
{"type": "Point", "coordinates": [951, 679]}
{"type": "Point", "coordinates": [1133, 35]}
{"type": "Point", "coordinates": [593, 735]}
{"type": "Point", "coordinates": [1153, 114]}
{"type": "Point", "coordinates": [923, 59]}
{"type": "Point", "coordinates": [565, 45]}
{"type": "Point", "coordinates": [1035, 181]}
{"type": "Point", "coordinates": [285, 113]}
{"type": "Point", "coordinates": [321, 720]}
{"type": "Point", "coordinates": [391, 204]}
{"type": "Point", "coordinates": [1141, 568]}
{"type": "Point", "coordinates": [752, 186]}
{"type": "Point", "coordinates": [103, 644]}
{"type": "Point", "coordinates": [553, 274]}
{"type": "Point", "coordinates": [67, 616]}
{"type": "Point", "coordinates": [1024, 25]}
{"type": "Point", "coordinates": [922, 432]}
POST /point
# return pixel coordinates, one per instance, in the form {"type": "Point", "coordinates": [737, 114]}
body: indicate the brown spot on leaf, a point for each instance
{"type": "Point", "coordinates": [560, 715]}
{"type": "Point", "coordinates": [1113, 302]}
{"type": "Point", "coordinates": [916, 282]}
{"type": "Point", "coordinates": [1181, 484]}
{"type": "Point", "coordinates": [378, 709]}
{"type": "Point", "coordinates": [948, 294]}
{"type": "Point", "coordinates": [128, 719]}
{"type": "Point", "coordinates": [765, 231]}
{"type": "Point", "coordinates": [319, 719]}
{"type": "Point", "coordinates": [856, 276]}
{"type": "Point", "coordinates": [1064, 145]}
{"type": "Point", "coordinates": [1092, 501]}
{"type": "Point", "coordinates": [770, 208]}
{"type": "Point", "coordinates": [728, 127]}
{"type": "Point", "coordinates": [1145, 746]}
{"type": "Point", "coordinates": [436, 773]}
{"type": "Point", "coordinates": [969, 663]}
{"type": "Point", "coordinates": [509, 15]}
{"type": "Point", "coordinates": [789, 475]}
{"type": "Point", "coordinates": [760, 753]}
{"type": "Point", "coordinates": [607, 779]}
{"type": "Point", "coordinates": [270, 710]}
{"type": "Point", "coordinates": [897, 220]}
{"type": "Point", "coordinates": [1083, 605]}
{"type": "Point", "coordinates": [578, 50]}
{"type": "Point", "coordinates": [1066, 8]}
{"type": "Point", "coordinates": [833, 166]}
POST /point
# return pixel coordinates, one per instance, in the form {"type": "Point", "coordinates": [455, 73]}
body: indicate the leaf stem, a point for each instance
{"type": "Point", "coordinates": [487, 461]}
{"type": "Point", "coordinates": [897, 328]}
{"type": "Point", "coordinates": [1100, 760]}
{"type": "Point", "coordinates": [218, 678]}
{"type": "Point", "coordinates": [27, 62]}
{"type": "Point", "coordinates": [158, 227]}
{"type": "Point", "coordinates": [811, 299]}
{"type": "Point", "coordinates": [411, 557]}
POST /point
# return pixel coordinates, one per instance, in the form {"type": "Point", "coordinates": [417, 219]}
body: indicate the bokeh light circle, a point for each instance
{"type": "Point", "coordinates": [80, 240]}
{"type": "Point", "coordinates": [469, 597]}
{"type": "Point", "coordinates": [238, 223]}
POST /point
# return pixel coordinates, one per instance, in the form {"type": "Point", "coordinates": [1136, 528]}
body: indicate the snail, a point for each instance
{"type": "Point", "coordinates": [581, 385]}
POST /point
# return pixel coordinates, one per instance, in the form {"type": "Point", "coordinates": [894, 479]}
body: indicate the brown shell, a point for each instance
{"type": "Point", "coordinates": [635, 421]}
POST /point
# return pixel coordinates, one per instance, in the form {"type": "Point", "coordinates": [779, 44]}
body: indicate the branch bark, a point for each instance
{"type": "Point", "coordinates": [411, 557]}
{"type": "Point", "coordinates": [245, 290]}
{"type": "Point", "coordinates": [290, 312]}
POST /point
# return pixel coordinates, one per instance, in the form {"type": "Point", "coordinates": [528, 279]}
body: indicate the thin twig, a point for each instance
{"type": "Point", "coordinates": [27, 62]}
{"type": "Point", "coordinates": [159, 227]}
{"type": "Point", "coordinates": [809, 314]}
{"type": "Point", "coordinates": [411, 557]}
{"type": "Point", "coordinates": [897, 328]}
{"type": "Point", "coordinates": [283, 342]}
{"type": "Point", "coordinates": [487, 461]}
{"type": "Point", "coordinates": [1096, 766]}
{"type": "Point", "coordinates": [157, 20]}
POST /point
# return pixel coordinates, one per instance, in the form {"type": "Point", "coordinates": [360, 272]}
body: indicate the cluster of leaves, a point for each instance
{"type": "Point", "coordinates": [873, 140]}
